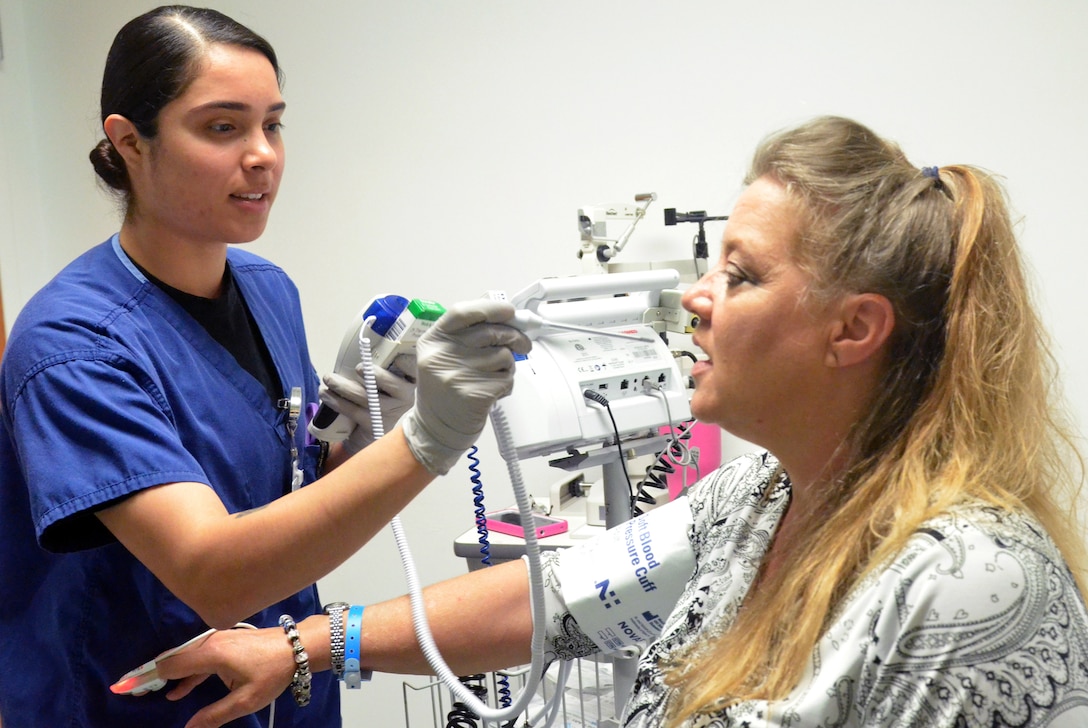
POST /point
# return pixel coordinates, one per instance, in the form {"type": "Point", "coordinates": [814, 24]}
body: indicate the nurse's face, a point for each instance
{"type": "Point", "coordinates": [765, 347]}
{"type": "Point", "coordinates": [212, 172]}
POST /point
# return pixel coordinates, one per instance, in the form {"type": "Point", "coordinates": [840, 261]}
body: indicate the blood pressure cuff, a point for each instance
{"type": "Point", "coordinates": [621, 586]}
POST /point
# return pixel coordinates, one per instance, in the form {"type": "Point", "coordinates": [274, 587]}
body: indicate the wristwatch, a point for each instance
{"type": "Point", "coordinates": [336, 610]}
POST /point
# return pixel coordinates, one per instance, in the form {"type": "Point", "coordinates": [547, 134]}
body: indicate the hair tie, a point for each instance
{"type": "Point", "coordinates": [934, 173]}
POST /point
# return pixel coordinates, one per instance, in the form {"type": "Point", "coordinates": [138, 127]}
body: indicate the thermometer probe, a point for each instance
{"type": "Point", "coordinates": [528, 321]}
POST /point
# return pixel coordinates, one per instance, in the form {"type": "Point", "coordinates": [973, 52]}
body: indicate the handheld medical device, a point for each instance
{"type": "Point", "coordinates": [393, 324]}
{"type": "Point", "coordinates": [531, 323]}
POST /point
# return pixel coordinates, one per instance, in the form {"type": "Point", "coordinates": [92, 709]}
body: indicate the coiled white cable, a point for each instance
{"type": "Point", "coordinates": [532, 550]}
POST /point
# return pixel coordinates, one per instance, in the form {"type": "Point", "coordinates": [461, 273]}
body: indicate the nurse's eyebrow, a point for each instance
{"type": "Point", "coordinates": [238, 106]}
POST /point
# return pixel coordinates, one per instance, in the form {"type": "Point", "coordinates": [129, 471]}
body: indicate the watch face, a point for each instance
{"type": "Point", "coordinates": [333, 606]}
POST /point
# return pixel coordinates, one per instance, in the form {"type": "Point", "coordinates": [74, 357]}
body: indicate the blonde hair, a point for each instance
{"type": "Point", "coordinates": [966, 412]}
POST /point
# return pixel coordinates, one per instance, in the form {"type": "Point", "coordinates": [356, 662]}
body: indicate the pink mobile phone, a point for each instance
{"type": "Point", "coordinates": [509, 522]}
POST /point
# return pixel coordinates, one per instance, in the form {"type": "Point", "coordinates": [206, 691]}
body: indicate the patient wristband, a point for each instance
{"type": "Point", "coordinates": [354, 675]}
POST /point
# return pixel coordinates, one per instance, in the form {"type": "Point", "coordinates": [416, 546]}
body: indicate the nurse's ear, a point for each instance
{"type": "Point", "coordinates": [126, 139]}
{"type": "Point", "coordinates": [859, 329]}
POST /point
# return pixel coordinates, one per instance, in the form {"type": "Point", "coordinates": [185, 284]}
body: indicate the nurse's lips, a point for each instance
{"type": "Point", "coordinates": [257, 202]}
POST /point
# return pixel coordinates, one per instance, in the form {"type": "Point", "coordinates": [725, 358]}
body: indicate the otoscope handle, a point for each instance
{"type": "Point", "coordinates": [395, 324]}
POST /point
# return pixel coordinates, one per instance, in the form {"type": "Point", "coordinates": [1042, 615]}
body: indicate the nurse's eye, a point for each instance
{"type": "Point", "coordinates": [274, 127]}
{"type": "Point", "coordinates": [221, 128]}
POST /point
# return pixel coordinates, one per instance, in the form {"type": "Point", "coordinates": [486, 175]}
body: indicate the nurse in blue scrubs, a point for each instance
{"type": "Point", "coordinates": [156, 478]}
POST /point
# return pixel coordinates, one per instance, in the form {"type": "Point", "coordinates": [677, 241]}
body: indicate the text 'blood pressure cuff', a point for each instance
{"type": "Point", "coordinates": [622, 585]}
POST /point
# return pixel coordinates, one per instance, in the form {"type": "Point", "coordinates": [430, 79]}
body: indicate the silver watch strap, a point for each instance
{"type": "Point", "coordinates": [336, 636]}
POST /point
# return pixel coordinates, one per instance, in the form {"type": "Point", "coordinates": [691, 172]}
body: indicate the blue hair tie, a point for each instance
{"type": "Point", "coordinates": [933, 173]}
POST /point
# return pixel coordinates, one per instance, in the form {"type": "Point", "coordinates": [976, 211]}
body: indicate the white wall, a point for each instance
{"type": "Point", "coordinates": [439, 149]}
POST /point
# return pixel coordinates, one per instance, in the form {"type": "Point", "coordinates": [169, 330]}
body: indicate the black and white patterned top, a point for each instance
{"type": "Point", "coordinates": [977, 622]}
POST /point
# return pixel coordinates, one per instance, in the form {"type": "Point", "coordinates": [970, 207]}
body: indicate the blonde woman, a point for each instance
{"type": "Point", "coordinates": [903, 553]}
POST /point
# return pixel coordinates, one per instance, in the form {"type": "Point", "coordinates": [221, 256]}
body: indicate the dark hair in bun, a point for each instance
{"type": "Point", "coordinates": [153, 59]}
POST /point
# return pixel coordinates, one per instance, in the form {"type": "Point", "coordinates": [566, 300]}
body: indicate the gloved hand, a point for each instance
{"type": "Point", "coordinates": [465, 364]}
{"type": "Point", "coordinates": [347, 395]}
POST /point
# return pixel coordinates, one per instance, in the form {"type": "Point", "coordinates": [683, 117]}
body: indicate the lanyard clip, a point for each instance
{"type": "Point", "coordinates": [292, 404]}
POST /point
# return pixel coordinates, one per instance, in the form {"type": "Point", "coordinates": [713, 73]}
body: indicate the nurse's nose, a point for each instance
{"type": "Point", "coordinates": [260, 153]}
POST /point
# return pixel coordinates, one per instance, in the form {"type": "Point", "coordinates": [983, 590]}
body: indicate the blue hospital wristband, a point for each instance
{"type": "Point", "coordinates": [353, 638]}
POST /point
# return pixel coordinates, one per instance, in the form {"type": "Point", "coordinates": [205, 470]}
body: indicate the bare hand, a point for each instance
{"type": "Point", "coordinates": [255, 665]}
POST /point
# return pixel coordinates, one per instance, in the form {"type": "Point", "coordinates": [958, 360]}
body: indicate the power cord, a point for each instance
{"type": "Point", "coordinates": [460, 716]}
{"type": "Point", "coordinates": [676, 452]}
{"type": "Point", "coordinates": [676, 455]}
{"type": "Point", "coordinates": [603, 401]}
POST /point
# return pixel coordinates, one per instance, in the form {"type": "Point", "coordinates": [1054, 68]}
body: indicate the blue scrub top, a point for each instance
{"type": "Point", "coordinates": [108, 387]}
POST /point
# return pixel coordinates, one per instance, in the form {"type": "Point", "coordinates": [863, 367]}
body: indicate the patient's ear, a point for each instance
{"type": "Point", "coordinates": [858, 333]}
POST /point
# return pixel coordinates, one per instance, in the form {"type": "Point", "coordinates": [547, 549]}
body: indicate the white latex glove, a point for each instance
{"type": "Point", "coordinates": [347, 395]}
{"type": "Point", "coordinates": [465, 364]}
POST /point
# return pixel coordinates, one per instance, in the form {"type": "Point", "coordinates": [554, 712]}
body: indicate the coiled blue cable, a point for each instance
{"type": "Point", "coordinates": [485, 546]}
{"type": "Point", "coordinates": [478, 500]}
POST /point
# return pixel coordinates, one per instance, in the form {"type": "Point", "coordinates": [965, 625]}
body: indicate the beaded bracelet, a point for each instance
{"type": "Point", "coordinates": [300, 683]}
